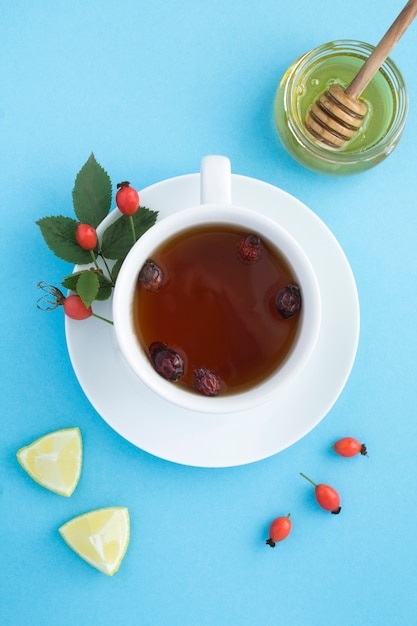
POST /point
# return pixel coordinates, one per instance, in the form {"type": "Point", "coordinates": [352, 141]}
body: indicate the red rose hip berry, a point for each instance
{"type": "Point", "coordinates": [86, 236]}
{"type": "Point", "coordinates": [279, 530]}
{"type": "Point", "coordinates": [73, 305]}
{"type": "Point", "coordinates": [326, 496]}
{"type": "Point", "coordinates": [127, 199]}
{"type": "Point", "coordinates": [349, 446]}
{"type": "Point", "coordinates": [75, 308]}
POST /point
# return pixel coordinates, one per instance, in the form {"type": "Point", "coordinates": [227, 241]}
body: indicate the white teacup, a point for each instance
{"type": "Point", "coordinates": [216, 208]}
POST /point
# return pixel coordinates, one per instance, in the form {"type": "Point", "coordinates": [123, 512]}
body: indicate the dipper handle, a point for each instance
{"type": "Point", "coordinates": [382, 50]}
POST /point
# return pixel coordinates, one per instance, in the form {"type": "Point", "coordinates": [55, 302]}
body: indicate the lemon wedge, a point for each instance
{"type": "Point", "coordinates": [99, 537]}
{"type": "Point", "coordinates": [54, 460]}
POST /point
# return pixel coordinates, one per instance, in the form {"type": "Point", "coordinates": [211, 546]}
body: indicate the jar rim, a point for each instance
{"type": "Point", "coordinates": [391, 74]}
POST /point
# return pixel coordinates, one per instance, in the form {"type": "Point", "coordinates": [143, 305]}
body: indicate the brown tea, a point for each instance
{"type": "Point", "coordinates": [216, 308]}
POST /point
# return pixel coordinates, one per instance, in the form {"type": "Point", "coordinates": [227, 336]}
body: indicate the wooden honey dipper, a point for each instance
{"type": "Point", "coordinates": [338, 114]}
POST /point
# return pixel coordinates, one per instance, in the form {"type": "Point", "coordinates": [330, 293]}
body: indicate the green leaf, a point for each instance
{"type": "Point", "coordinates": [59, 234]}
{"type": "Point", "coordinates": [105, 288]}
{"type": "Point", "coordinates": [104, 292]}
{"type": "Point", "coordinates": [70, 281]}
{"type": "Point", "coordinates": [105, 284]}
{"type": "Point", "coordinates": [92, 193]}
{"type": "Point", "coordinates": [117, 238]}
{"type": "Point", "coordinates": [87, 287]}
{"type": "Point", "coordinates": [143, 219]}
{"type": "Point", "coordinates": [116, 269]}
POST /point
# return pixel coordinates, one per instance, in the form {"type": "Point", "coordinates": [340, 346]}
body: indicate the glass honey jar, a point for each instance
{"type": "Point", "coordinates": [312, 74]}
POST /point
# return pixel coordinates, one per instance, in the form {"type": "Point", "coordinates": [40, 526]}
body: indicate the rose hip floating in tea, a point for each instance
{"type": "Point", "coordinates": [151, 276]}
{"type": "Point", "coordinates": [250, 248]}
{"type": "Point", "coordinates": [206, 382]}
{"type": "Point", "coordinates": [288, 301]}
{"type": "Point", "coordinates": [168, 363]}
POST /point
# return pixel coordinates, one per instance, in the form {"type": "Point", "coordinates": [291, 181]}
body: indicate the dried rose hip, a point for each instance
{"type": "Point", "coordinates": [288, 300]}
{"type": "Point", "coordinates": [168, 363]}
{"type": "Point", "coordinates": [151, 276]}
{"type": "Point", "coordinates": [206, 382]}
{"type": "Point", "coordinates": [250, 248]}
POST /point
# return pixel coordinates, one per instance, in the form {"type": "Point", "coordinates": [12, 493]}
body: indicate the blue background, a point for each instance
{"type": "Point", "coordinates": [151, 87]}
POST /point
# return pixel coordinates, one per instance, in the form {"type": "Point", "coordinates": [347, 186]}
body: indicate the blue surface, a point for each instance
{"type": "Point", "coordinates": [151, 87]}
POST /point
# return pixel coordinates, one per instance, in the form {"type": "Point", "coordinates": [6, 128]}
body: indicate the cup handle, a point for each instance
{"type": "Point", "coordinates": [215, 180]}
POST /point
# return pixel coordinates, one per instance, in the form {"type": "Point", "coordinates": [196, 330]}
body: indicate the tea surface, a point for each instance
{"type": "Point", "coordinates": [215, 310]}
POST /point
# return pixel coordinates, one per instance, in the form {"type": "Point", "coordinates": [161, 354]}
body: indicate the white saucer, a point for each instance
{"type": "Point", "coordinates": [207, 440]}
